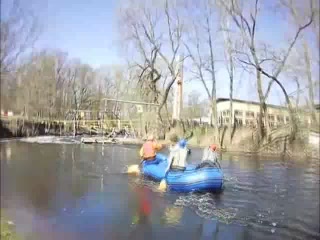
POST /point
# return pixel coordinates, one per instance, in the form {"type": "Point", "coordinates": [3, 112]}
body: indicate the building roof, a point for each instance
{"type": "Point", "coordinates": [250, 102]}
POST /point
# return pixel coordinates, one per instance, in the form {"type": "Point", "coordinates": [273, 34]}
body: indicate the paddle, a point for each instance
{"type": "Point", "coordinates": [135, 169]}
{"type": "Point", "coordinates": [163, 184]}
{"type": "Point", "coordinates": [190, 136]}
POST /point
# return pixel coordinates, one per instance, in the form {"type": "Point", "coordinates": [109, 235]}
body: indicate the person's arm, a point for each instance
{"type": "Point", "coordinates": [173, 150]}
{"type": "Point", "coordinates": [170, 158]}
{"type": "Point", "coordinates": [157, 146]}
{"type": "Point", "coordinates": [204, 154]}
{"type": "Point", "coordinates": [215, 155]}
{"type": "Point", "coordinates": [216, 159]}
{"type": "Point", "coordinates": [190, 136]}
{"type": "Point", "coordinates": [141, 152]}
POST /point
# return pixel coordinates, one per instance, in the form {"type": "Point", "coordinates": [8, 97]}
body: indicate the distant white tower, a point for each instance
{"type": "Point", "coordinates": [178, 91]}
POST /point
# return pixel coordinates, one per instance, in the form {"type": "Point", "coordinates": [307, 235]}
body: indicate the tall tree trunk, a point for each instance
{"type": "Point", "coordinates": [231, 99]}
{"type": "Point", "coordinates": [310, 83]}
{"type": "Point", "coordinates": [262, 120]}
{"type": "Point", "coordinates": [213, 90]}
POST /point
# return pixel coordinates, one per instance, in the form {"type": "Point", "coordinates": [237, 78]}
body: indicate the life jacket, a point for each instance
{"type": "Point", "coordinates": [179, 156]}
{"type": "Point", "coordinates": [149, 152]}
{"type": "Point", "coordinates": [209, 155]}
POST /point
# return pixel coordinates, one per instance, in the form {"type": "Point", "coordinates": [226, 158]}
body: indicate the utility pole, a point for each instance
{"type": "Point", "coordinates": [178, 91]}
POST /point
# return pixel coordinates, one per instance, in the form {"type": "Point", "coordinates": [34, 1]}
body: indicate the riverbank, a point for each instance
{"type": "Point", "coordinates": [239, 141]}
{"type": "Point", "coordinates": [8, 231]}
{"type": "Point", "coordinates": [311, 153]}
{"type": "Point", "coordinates": [17, 127]}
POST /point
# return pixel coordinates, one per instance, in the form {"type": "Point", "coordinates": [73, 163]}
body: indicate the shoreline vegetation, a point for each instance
{"type": "Point", "coordinates": [47, 91]}
{"type": "Point", "coordinates": [243, 140]}
{"type": "Point", "coordinates": [8, 231]}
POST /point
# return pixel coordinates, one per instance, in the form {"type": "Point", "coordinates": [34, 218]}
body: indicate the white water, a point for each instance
{"type": "Point", "coordinates": [51, 139]}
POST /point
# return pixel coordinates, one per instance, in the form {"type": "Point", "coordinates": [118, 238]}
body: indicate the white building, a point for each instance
{"type": "Point", "coordinates": [247, 113]}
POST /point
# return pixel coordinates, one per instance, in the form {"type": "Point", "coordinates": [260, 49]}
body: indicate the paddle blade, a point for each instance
{"type": "Point", "coordinates": [163, 185]}
{"type": "Point", "coordinates": [133, 169]}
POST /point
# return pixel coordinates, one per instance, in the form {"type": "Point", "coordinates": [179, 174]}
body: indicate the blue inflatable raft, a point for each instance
{"type": "Point", "coordinates": [192, 179]}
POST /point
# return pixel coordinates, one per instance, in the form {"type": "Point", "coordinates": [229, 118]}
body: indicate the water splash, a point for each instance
{"type": "Point", "coordinates": [206, 207]}
{"type": "Point", "coordinates": [51, 139]}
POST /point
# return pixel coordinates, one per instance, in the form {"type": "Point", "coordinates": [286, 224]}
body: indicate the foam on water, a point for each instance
{"type": "Point", "coordinates": [205, 207]}
{"type": "Point", "coordinates": [51, 139]}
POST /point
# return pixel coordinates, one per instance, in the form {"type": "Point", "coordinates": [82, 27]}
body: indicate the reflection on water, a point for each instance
{"type": "Point", "coordinates": [173, 215]}
{"type": "Point", "coordinates": [75, 191]}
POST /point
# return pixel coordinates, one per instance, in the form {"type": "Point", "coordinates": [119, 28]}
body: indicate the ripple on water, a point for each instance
{"type": "Point", "coordinates": [205, 207]}
{"type": "Point", "coordinates": [272, 200]}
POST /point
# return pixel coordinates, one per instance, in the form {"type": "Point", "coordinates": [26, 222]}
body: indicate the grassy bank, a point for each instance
{"type": "Point", "coordinates": [244, 140]}
{"type": "Point", "coordinates": [8, 231]}
{"type": "Point", "coordinates": [237, 140]}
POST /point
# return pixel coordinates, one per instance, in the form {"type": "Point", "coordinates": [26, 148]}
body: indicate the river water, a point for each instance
{"type": "Point", "coordinates": [75, 191]}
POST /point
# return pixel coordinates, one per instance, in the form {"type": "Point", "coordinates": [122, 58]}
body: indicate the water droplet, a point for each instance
{"type": "Point", "coordinates": [274, 224]}
{"type": "Point", "coordinates": [64, 209]}
{"type": "Point", "coordinates": [273, 230]}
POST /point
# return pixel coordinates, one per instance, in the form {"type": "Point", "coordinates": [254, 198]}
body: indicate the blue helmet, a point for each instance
{"type": "Point", "coordinates": [183, 143]}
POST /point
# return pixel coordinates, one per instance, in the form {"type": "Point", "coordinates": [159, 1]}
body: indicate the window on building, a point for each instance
{"type": "Point", "coordinates": [258, 115]}
{"type": "Point", "coordinates": [238, 121]}
{"type": "Point", "coordinates": [228, 112]}
{"type": "Point", "coordinates": [250, 114]}
{"type": "Point", "coordinates": [280, 119]}
{"type": "Point", "coordinates": [238, 113]}
{"type": "Point", "coordinates": [247, 122]}
{"type": "Point", "coordinates": [271, 117]}
{"type": "Point", "coordinates": [227, 120]}
{"type": "Point", "coordinates": [287, 119]}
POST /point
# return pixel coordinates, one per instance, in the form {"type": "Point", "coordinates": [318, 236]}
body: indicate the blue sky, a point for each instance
{"type": "Point", "coordinates": [88, 30]}
{"type": "Point", "coordinates": [85, 29]}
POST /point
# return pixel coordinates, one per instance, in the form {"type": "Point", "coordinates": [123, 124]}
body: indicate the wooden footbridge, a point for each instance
{"type": "Point", "coordinates": [78, 123]}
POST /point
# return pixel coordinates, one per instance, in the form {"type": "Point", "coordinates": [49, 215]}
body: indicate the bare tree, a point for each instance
{"type": "Point", "coordinates": [247, 27]}
{"type": "Point", "coordinates": [200, 47]}
{"type": "Point", "coordinates": [229, 46]}
{"type": "Point", "coordinates": [156, 35]}
{"type": "Point", "coordinates": [19, 30]}
{"type": "Point", "coordinates": [60, 71]}
{"type": "Point", "coordinates": [138, 24]}
{"type": "Point", "coordinates": [194, 105]}
{"type": "Point", "coordinates": [298, 16]}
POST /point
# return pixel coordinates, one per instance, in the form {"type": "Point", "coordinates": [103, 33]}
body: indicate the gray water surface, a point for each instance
{"type": "Point", "coordinates": [75, 191]}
